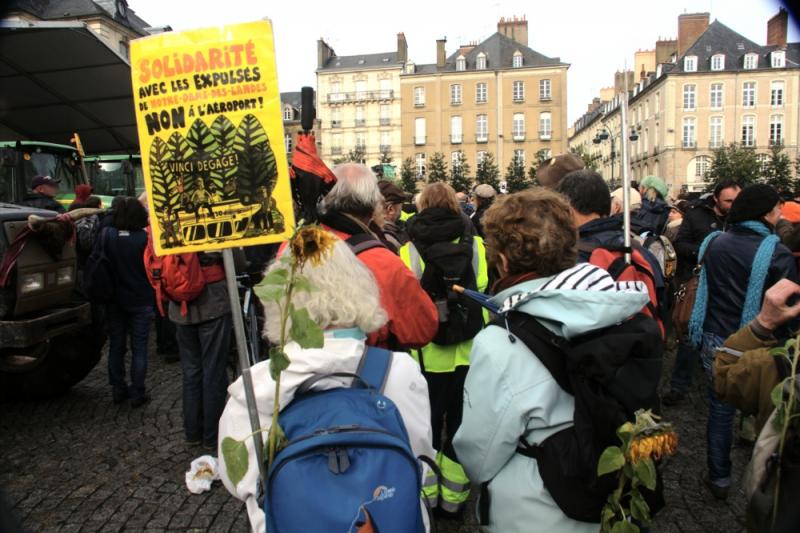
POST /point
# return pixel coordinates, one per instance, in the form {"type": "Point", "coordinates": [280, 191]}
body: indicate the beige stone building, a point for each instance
{"type": "Point", "coordinates": [292, 109]}
{"type": "Point", "coordinates": [497, 96]}
{"type": "Point", "coordinates": [358, 102]}
{"type": "Point", "coordinates": [720, 88]}
{"type": "Point", "coordinates": [111, 20]}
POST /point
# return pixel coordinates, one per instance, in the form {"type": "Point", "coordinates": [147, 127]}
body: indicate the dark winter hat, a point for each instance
{"type": "Point", "coordinates": [551, 171]}
{"type": "Point", "coordinates": [753, 203]}
{"type": "Point", "coordinates": [392, 194]}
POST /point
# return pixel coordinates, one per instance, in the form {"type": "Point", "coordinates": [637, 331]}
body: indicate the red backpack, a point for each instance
{"type": "Point", "coordinates": [611, 258]}
{"type": "Point", "coordinates": [179, 277]}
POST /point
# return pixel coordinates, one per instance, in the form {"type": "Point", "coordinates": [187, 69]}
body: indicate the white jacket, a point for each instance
{"type": "Point", "coordinates": [405, 386]}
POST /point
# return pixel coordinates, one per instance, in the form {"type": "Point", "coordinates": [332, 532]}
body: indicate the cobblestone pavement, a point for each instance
{"type": "Point", "coordinates": [81, 463]}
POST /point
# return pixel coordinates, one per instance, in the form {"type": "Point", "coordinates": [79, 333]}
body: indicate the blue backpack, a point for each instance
{"type": "Point", "coordinates": [348, 466]}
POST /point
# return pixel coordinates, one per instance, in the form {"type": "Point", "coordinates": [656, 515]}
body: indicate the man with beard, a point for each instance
{"type": "Point", "coordinates": [707, 216]}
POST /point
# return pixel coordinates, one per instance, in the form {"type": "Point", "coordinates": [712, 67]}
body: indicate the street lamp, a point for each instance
{"type": "Point", "coordinates": [603, 135]}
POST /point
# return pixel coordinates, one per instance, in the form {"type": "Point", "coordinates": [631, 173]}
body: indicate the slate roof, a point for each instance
{"type": "Point", "coordinates": [293, 99]}
{"type": "Point", "coordinates": [69, 9]}
{"type": "Point", "coordinates": [362, 61]}
{"type": "Point", "coordinates": [720, 39]}
{"type": "Point", "coordinates": [499, 51]}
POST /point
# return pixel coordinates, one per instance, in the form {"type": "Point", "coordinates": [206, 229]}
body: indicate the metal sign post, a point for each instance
{"type": "Point", "coordinates": [626, 174]}
{"type": "Point", "coordinates": [244, 362]}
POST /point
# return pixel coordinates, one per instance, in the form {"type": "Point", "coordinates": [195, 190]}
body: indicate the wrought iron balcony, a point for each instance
{"type": "Point", "coordinates": [481, 137]}
{"type": "Point", "coordinates": [360, 96]}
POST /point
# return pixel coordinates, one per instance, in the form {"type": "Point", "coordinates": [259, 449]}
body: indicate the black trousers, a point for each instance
{"type": "Point", "coordinates": [446, 393]}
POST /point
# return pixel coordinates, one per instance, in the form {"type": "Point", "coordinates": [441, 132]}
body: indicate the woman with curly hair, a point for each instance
{"type": "Point", "coordinates": [509, 394]}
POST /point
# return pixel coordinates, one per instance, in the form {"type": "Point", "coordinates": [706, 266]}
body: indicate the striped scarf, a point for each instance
{"type": "Point", "coordinates": [755, 285]}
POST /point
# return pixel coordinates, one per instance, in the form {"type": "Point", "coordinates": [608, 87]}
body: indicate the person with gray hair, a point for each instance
{"type": "Point", "coordinates": [345, 303]}
{"type": "Point", "coordinates": [347, 211]}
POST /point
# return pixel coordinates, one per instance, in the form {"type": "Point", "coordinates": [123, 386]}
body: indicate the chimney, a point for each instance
{"type": "Point", "coordinates": [623, 81]}
{"type": "Point", "coordinates": [776, 29]}
{"type": "Point", "coordinates": [402, 48]}
{"type": "Point", "coordinates": [324, 53]}
{"type": "Point", "coordinates": [690, 27]}
{"type": "Point", "coordinates": [515, 29]}
{"type": "Point", "coordinates": [665, 49]}
{"type": "Point", "coordinates": [441, 56]}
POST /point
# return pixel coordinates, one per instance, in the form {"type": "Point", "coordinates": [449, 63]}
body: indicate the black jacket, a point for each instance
{"type": "Point", "coordinates": [651, 217]}
{"type": "Point", "coordinates": [125, 249]}
{"type": "Point", "coordinates": [41, 201]}
{"type": "Point", "coordinates": [697, 224]}
{"type": "Point", "coordinates": [728, 265]}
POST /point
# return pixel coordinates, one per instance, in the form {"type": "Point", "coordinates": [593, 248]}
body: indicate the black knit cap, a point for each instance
{"type": "Point", "coordinates": [753, 203]}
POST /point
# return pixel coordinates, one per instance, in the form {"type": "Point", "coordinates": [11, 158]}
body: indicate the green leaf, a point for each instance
{"type": "Point", "coordinates": [624, 432]}
{"type": "Point", "coordinates": [236, 459]}
{"type": "Point", "coordinates": [279, 276]}
{"type": "Point", "coordinates": [305, 331]}
{"type": "Point", "coordinates": [639, 508]}
{"type": "Point", "coordinates": [301, 283]}
{"type": "Point", "coordinates": [278, 362]}
{"type": "Point", "coordinates": [780, 416]}
{"type": "Point", "coordinates": [611, 460]}
{"type": "Point", "coordinates": [606, 517]}
{"type": "Point", "coordinates": [646, 472]}
{"type": "Point", "coordinates": [270, 293]}
{"type": "Point", "coordinates": [777, 395]}
{"type": "Point", "coordinates": [623, 526]}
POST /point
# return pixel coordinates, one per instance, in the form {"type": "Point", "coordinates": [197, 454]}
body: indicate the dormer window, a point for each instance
{"type": "Point", "coordinates": [287, 113]}
{"type": "Point", "coordinates": [480, 64]}
{"type": "Point", "coordinates": [750, 61]}
{"type": "Point", "coordinates": [690, 64]}
{"type": "Point", "coordinates": [718, 62]}
{"type": "Point", "coordinates": [461, 63]}
{"type": "Point", "coordinates": [778, 58]}
{"type": "Point", "coordinates": [410, 68]}
{"type": "Point", "coordinates": [517, 61]}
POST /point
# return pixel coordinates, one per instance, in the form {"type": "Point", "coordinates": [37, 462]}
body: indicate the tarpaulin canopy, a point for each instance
{"type": "Point", "coordinates": [57, 78]}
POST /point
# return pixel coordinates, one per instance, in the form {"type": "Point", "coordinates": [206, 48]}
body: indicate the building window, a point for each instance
{"type": "Point", "coordinates": [748, 130]}
{"type": "Point", "coordinates": [455, 94]}
{"type": "Point", "coordinates": [749, 94]}
{"type": "Point", "coordinates": [715, 132]}
{"type": "Point", "coordinates": [386, 115]}
{"type": "Point", "coordinates": [386, 141]}
{"type": "Point", "coordinates": [689, 98]}
{"type": "Point", "coordinates": [287, 113]}
{"type": "Point", "coordinates": [690, 64]}
{"type": "Point", "coordinates": [516, 62]}
{"type": "Point", "coordinates": [544, 90]}
{"type": "Point", "coordinates": [776, 130]}
{"type": "Point", "coordinates": [361, 90]}
{"type": "Point", "coordinates": [336, 94]}
{"type": "Point", "coordinates": [545, 125]}
{"type": "Point", "coordinates": [519, 158]}
{"type": "Point", "coordinates": [456, 159]}
{"type": "Point", "coordinates": [361, 142]}
{"type": "Point", "coordinates": [461, 63]}
{"type": "Point", "coordinates": [336, 144]}
{"type": "Point", "coordinates": [419, 131]}
{"type": "Point", "coordinates": [456, 133]}
{"type": "Point", "coordinates": [763, 162]}
{"type": "Point", "coordinates": [750, 61]}
{"type": "Point", "coordinates": [480, 93]}
{"type": "Point", "coordinates": [419, 161]}
{"type": "Point", "coordinates": [480, 157]}
{"type": "Point", "coordinates": [480, 63]}
{"type": "Point", "coordinates": [518, 91]}
{"type": "Point", "coordinates": [287, 141]}
{"type": "Point", "coordinates": [518, 127]}
{"type": "Point", "coordinates": [646, 109]}
{"type": "Point", "coordinates": [481, 129]}
{"type": "Point", "coordinates": [657, 104]}
{"type": "Point", "coordinates": [701, 165]}
{"type": "Point", "coordinates": [419, 96]}
{"type": "Point", "coordinates": [360, 120]}
{"type": "Point", "coordinates": [776, 94]}
{"type": "Point", "coordinates": [718, 62]}
{"type": "Point", "coordinates": [716, 97]}
{"type": "Point", "coordinates": [778, 59]}
{"type": "Point", "coordinates": [689, 139]}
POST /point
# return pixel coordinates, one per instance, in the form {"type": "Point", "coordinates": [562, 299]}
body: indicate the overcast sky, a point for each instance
{"type": "Point", "coordinates": [595, 38]}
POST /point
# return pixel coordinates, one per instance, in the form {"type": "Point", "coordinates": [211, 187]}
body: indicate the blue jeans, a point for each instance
{"type": "Point", "coordinates": [134, 321]}
{"type": "Point", "coordinates": [685, 361]}
{"type": "Point", "coordinates": [719, 432]}
{"type": "Point", "coordinates": [204, 352]}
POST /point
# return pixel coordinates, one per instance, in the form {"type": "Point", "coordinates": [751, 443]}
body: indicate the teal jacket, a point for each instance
{"type": "Point", "coordinates": [508, 394]}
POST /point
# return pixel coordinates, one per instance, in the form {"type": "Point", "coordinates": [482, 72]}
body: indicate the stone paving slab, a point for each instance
{"type": "Point", "coordinates": [81, 463]}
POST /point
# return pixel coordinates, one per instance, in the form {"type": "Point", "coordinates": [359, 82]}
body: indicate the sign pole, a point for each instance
{"type": "Point", "coordinates": [244, 362]}
{"type": "Point", "coordinates": [626, 174]}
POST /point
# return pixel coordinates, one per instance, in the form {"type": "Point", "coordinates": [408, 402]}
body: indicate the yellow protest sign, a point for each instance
{"type": "Point", "coordinates": [211, 136]}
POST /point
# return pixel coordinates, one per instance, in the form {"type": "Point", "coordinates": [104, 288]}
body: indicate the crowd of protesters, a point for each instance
{"type": "Point", "coordinates": [467, 391]}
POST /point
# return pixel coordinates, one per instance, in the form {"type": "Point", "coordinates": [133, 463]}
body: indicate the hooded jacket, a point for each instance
{"type": "Point", "coordinates": [405, 386]}
{"type": "Point", "coordinates": [651, 217]}
{"type": "Point", "coordinates": [697, 223]}
{"type": "Point", "coordinates": [509, 394]}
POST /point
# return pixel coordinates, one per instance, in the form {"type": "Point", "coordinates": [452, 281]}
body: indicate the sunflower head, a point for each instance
{"type": "Point", "coordinates": [312, 243]}
{"type": "Point", "coordinates": [653, 443]}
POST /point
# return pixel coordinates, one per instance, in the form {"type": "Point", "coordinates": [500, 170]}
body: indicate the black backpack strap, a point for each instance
{"type": "Point", "coordinates": [361, 242]}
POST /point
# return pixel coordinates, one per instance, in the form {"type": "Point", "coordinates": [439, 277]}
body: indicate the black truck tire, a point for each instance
{"type": "Point", "coordinates": [68, 359]}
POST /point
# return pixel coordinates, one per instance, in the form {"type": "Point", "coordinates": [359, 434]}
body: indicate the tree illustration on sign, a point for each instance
{"type": "Point", "coordinates": [224, 133]}
{"type": "Point", "coordinates": [257, 167]}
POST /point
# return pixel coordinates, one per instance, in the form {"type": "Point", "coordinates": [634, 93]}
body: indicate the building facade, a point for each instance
{"type": "Point", "coordinates": [721, 88]}
{"type": "Point", "coordinates": [496, 96]}
{"type": "Point", "coordinates": [291, 110]}
{"type": "Point", "coordinates": [358, 103]}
